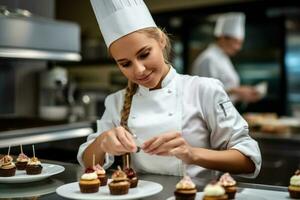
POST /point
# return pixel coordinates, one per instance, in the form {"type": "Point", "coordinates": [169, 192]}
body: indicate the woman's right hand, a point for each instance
{"type": "Point", "coordinates": [117, 141]}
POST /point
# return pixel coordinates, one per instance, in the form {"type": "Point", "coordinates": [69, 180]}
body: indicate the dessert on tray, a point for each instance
{"type": "Point", "coordinates": [214, 191]}
{"type": "Point", "coordinates": [185, 189]}
{"type": "Point", "coordinates": [22, 160]}
{"type": "Point", "coordinates": [132, 177]}
{"type": "Point", "coordinates": [101, 174]}
{"type": "Point", "coordinates": [130, 172]}
{"type": "Point", "coordinates": [7, 166]}
{"type": "Point", "coordinates": [229, 185]}
{"type": "Point", "coordinates": [34, 166]}
{"type": "Point", "coordinates": [89, 182]}
{"type": "Point", "coordinates": [120, 184]}
{"type": "Point", "coordinates": [294, 187]}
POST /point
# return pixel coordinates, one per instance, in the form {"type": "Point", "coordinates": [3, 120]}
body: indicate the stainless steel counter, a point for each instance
{"type": "Point", "coordinates": [45, 190]}
{"type": "Point", "coordinates": [45, 134]}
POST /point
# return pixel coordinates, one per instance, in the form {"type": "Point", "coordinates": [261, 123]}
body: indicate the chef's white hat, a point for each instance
{"type": "Point", "coordinates": [231, 24]}
{"type": "Point", "coordinates": [117, 18]}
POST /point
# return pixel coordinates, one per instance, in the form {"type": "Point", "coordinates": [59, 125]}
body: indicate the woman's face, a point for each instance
{"type": "Point", "coordinates": [140, 59]}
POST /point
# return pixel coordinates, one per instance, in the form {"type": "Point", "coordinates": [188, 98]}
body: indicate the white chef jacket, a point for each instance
{"type": "Point", "coordinates": [198, 106]}
{"type": "Point", "coordinates": [214, 63]}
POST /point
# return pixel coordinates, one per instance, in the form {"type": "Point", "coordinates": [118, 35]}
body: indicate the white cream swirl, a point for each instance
{"type": "Point", "coordinates": [89, 176]}
{"type": "Point", "coordinates": [295, 180]}
{"type": "Point", "coordinates": [227, 180]}
{"type": "Point", "coordinates": [34, 161]}
{"type": "Point", "coordinates": [214, 190]}
{"type": "Point", "coordinates": [22, 158]}
{"type": "Point", "coordinates": [185, 183]}
{"type": "Point", "coordinates": [99, 169]}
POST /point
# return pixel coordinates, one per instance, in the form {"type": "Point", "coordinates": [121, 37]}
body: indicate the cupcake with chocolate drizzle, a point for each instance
{"type": "Point", "coordinates": [185, 189]}
{"type": "Point", "coordinates": [22, 160]}
{"type": "Point", "coordinates": [229, 185]}
{"type": "Point", "coordinates": [130, 172]}
{"type": "Point", "coordinates": [34, 166]}
{"type": "Point", "coordinates": [7, 166]}
{"type": "Point", "coordinates": [119, 184]}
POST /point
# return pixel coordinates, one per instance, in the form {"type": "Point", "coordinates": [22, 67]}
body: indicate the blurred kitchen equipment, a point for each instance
{"type": "Point", "coordinates": [41, 38]}
{"type": "Point", "coordinates": [53, 101]}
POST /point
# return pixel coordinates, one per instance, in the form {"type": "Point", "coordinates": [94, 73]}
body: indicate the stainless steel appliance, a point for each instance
{"type": "Point", "coordinates": [30, 45]}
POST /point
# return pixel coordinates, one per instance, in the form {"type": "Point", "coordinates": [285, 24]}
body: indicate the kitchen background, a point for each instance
{"type": "Point", "coordinates": [55, 71]}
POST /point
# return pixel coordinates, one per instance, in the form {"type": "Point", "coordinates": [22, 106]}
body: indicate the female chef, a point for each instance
{"type": "Point", "coordinates": [176, 118]}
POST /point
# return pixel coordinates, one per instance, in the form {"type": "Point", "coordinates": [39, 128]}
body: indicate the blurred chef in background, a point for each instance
{"type": "Point", "coordinates": [215, 60]}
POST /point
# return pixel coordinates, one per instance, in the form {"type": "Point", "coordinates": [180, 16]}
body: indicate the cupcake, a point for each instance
{"type": "Point", "coordinates": [214, 191]}
{"type": "Point", "coordinates": [34, 166]}
{"type": "Point", "coordinates": [101, 174]}
{"type": "Point", "coordinates": [294, 188]}
{"type": "Point", "coordinates": [132, 177]}
{"type": "Point", "coordinates": [185, 189]}
{"type": "Point", "coordinates": [120, 184]}
{"type": "Point", "coordinates": [7, 166]}
{"type": "Point", "coordinates": [89, 183]}
{"type": "Point", "coordinates": [22, 161]}
{"type": "Point", "coordinates": [229, 185]}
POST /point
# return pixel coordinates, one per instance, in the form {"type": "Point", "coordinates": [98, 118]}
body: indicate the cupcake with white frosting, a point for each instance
{"type": "Point", "coordinates": [294, 187]}
{"type": "Point", "coordinates": [185, 189]}
{"type": "Point", "coordinates": [229, 185]}
{"type": "Point", "coordinates": [214, 191]}
{"type": "Point", "coordinates": [89, 183]}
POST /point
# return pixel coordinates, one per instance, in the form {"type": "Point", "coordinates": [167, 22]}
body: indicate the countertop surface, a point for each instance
{"type": "Point", "coordinates": [45, 189]}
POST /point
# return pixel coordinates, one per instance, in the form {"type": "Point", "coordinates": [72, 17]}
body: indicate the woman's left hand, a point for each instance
{"type": "Point", "coordinates": [169, 144]}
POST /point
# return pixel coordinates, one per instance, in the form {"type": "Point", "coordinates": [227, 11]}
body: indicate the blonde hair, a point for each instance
{"type": "Point", "coordinates": [157, 34]}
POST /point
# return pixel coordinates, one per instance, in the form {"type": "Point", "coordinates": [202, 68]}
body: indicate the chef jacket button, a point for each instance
{"type": "Point", "coordinates": [133, 117]}
{"type": "Point", "coordinates": [170, 114]}
{"type": "Point", "coordinates": [169, 91]}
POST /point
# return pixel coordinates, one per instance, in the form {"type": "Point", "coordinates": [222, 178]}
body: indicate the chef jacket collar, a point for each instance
{"type": "Point", "coordinates": [164, 84]}
{"type": "Point", "coordinates": [218, 50]}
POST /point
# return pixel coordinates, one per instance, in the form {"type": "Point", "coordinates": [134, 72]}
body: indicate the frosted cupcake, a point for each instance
{"type": "Point", "coordinates": [7, 166]}
{"type": "Point", "coordinates": [294, 188]}
{"type": "Point", "coordinates": [22, 161]}
{"type": "Point", "coordinates": [120, 184]}
{"type": "Point", "coordinates": [185, 189]}
{"type": "Point", "coordinates": [34, 166]}
{"type": "Point", "coordinates": [229, 185]}
{"type": "Point", "coordinates": [89, 183]}
{"type": "Point", "coordinates": [101, 174]}
{"type": "Point", "coordinates": [214, 191]}
{"type": "Point", "coordinates": [132, 177]}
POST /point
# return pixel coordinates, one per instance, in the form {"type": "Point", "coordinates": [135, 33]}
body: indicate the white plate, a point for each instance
{"type": "Point", "coordinates": [238, 196]}
{"type": "Point", "coordinates": [22, 177]}
{"type": "Point", "coordinates": [144, 189]}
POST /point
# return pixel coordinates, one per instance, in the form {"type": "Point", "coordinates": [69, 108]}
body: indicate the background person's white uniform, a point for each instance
{"type": "Point", "coordinates": [198, 108]}
{"type": "Point", "coordinates": [214, 62]}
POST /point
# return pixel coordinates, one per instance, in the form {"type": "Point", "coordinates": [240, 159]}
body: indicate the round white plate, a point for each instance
{"type": "Point", "coordinates": [22, 177]}
{"type": "Point", "coordinates": [144, 189]}
{"type": "Point", "coordinates": [238, 196]}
